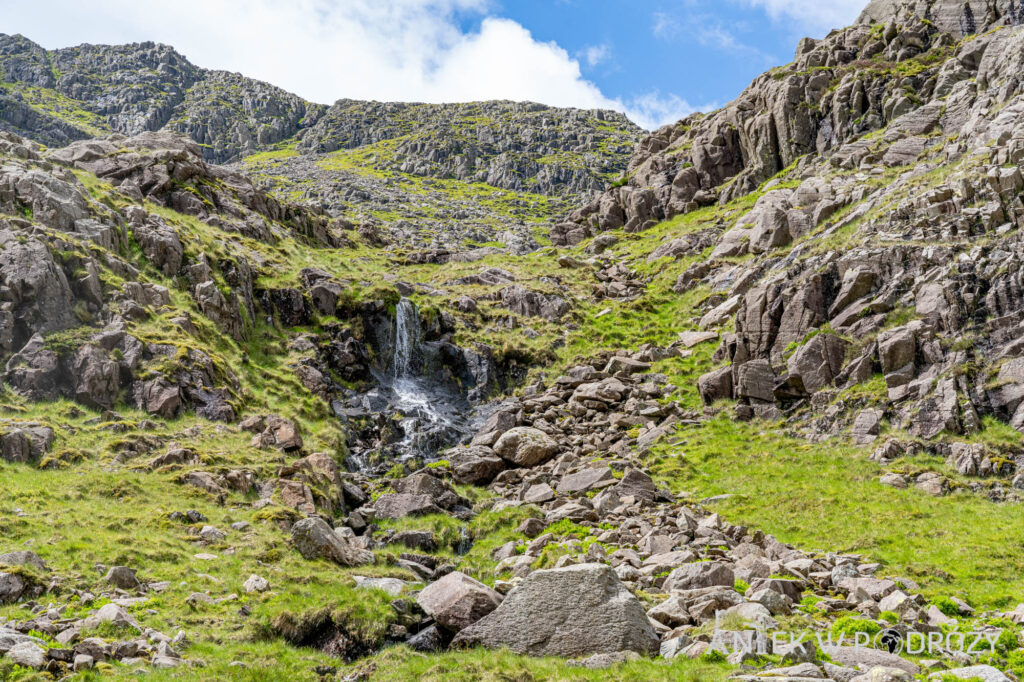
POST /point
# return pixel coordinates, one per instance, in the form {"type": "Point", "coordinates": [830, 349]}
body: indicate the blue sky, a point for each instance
{"type": "Point", "coordinates": [655, 60]}
{"type": "Point", "coordinates": [703, 52]}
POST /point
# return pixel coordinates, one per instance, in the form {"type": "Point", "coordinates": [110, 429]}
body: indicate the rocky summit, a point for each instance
{"type": "Point", "coordinates": [389, 391]}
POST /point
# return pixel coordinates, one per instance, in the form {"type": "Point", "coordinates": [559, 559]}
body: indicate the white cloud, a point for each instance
{"type": "Point", "coordinates": [388, 50]}
{"type": "Point", "coordinates": [653, 110]}
{"type": "Point", "coordinates": [595, 54]}
{"type": "Point", "coordinates": [815, 16]}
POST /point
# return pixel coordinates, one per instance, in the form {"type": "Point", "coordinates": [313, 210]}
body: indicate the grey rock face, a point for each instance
{"type": "Point", "coordinates": [572, 611]}
{"type": "Point", "coordinates": [35, 288]}
{"type": "Point", "coordinates": [951, 16]}
{"type": "Point", "coordinates": [96, 377]}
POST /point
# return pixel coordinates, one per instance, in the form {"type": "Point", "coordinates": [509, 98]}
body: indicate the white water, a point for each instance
{"type": "Point", "coordinates": [423, 408]}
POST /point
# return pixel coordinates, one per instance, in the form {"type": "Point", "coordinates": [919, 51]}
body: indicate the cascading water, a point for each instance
{"type": "Point", "coordinates": [432, 417]}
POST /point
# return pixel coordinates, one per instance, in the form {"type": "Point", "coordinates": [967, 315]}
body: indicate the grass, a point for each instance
{"type": "Point", "coordinates": [827, 496]}
{"type": "Point", "coordinates": [502, 666]}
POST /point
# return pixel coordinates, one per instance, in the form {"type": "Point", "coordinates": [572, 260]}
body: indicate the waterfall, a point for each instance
{"type": "Point", "coordinates": [408, 335]}
{"type": "Point", "coordinates": [430, 414]}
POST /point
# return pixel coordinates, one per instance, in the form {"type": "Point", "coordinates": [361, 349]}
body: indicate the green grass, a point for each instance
{"type": "Point", "coordinates": [503, 666]}
{"type": "Point", "coordinates": [827, 496]}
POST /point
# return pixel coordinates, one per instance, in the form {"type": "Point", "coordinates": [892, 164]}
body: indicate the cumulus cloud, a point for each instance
{"type": "Point", "coordinates": [814, 16]}
{"type": "Point", "coordinates": [388, 50]}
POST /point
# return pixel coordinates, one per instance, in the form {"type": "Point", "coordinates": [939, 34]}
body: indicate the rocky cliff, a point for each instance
{"type": "Point", "coordinates": [334, 157]}
{"type": "Point", "coordinates": [882, 171]}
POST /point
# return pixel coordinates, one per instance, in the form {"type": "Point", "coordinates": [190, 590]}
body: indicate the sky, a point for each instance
{"type": "Point", "coordinates": [655, 60]}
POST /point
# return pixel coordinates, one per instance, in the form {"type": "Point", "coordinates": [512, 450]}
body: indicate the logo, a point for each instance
{"type": "Point", "coordinates": [889, 640]}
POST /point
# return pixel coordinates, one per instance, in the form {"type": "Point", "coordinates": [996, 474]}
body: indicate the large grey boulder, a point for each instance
{"type": "Point", "coordinates": [25, 442]}
{"type": "Point", "coordinates": [698, 575]}
{"type": "Point", "coordinates": [314, 539]}
{"type": "Point", "coordinates": [475, 465]}
{"type": "Point", "coordinates": [818, 361]}
{"type": "Point", "coordinates": [525, 446]}
{"type": "Point", "coordinates": [985, 673]}
{"type": "Point", "coordinates": [27, 654]}
{"type": "Point", "coordinates": [23, 558]}
{"type": "Point", "coordinates": [400, 505]}
{"type": "Point", "coordinates": [571, 611]}
{"type": "Point", "coordinates": [456, 601]}
{"type": "Point", "coordinates": [11, 638]}
{"type": "Point", "coordinates": [866, 658]}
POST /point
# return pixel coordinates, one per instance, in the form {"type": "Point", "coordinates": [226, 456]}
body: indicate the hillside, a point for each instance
{"type": "Point", "coordinates": [339, 410]}
{"type": "Point", "coordinates": [487, 172]}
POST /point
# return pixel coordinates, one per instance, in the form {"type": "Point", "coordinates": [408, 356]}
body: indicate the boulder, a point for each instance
{"type": "Point", "coordinates": [279, 433]}
{"type": "Point", "coordinates": [636, 483]}
{"type": "Point", "coordinates": [818, 362]}
{"type": "Point", "coordinates": [866, 658]}
{"type": "Point", "coordinates": [122, 577]}
{"type": "Point", "coordinates": [497, 424]}
{"type": "Point", "coordinates": [456, 601]}
{"type": "Point", "coordinates": [159, 397]}
{"type": "Point", "coordinates": [525, 446]}
{"type": "Point", "coordinates": [255, 583]}
{"type": "Point", "coordinates": [27, 654]}
{"type": "Point", "coordinates": [23, 558]}
{"type": "Point", "coordinates": [430, 486]}
{"type": "Point", "coordinates": [314, 539]}
{"type": "Point", "coordinates": [698, 575]}
{"type": "Point", "coordinates": [571, 611]}
{"type": "Point", "coordinates": [475, 465]}
{"type": "Point", "coordinates": [715, 385]}
{"type": "Point", "coordinates": [586, 480]}
{"type": "Point", "coordinates": [12, 586]}
{"type": "Point", "coordinates": [399, 505]}
{"type": "Point", "coordinates": [985, 673]}
{"type": "Point", "coordinates": [755, 379]}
